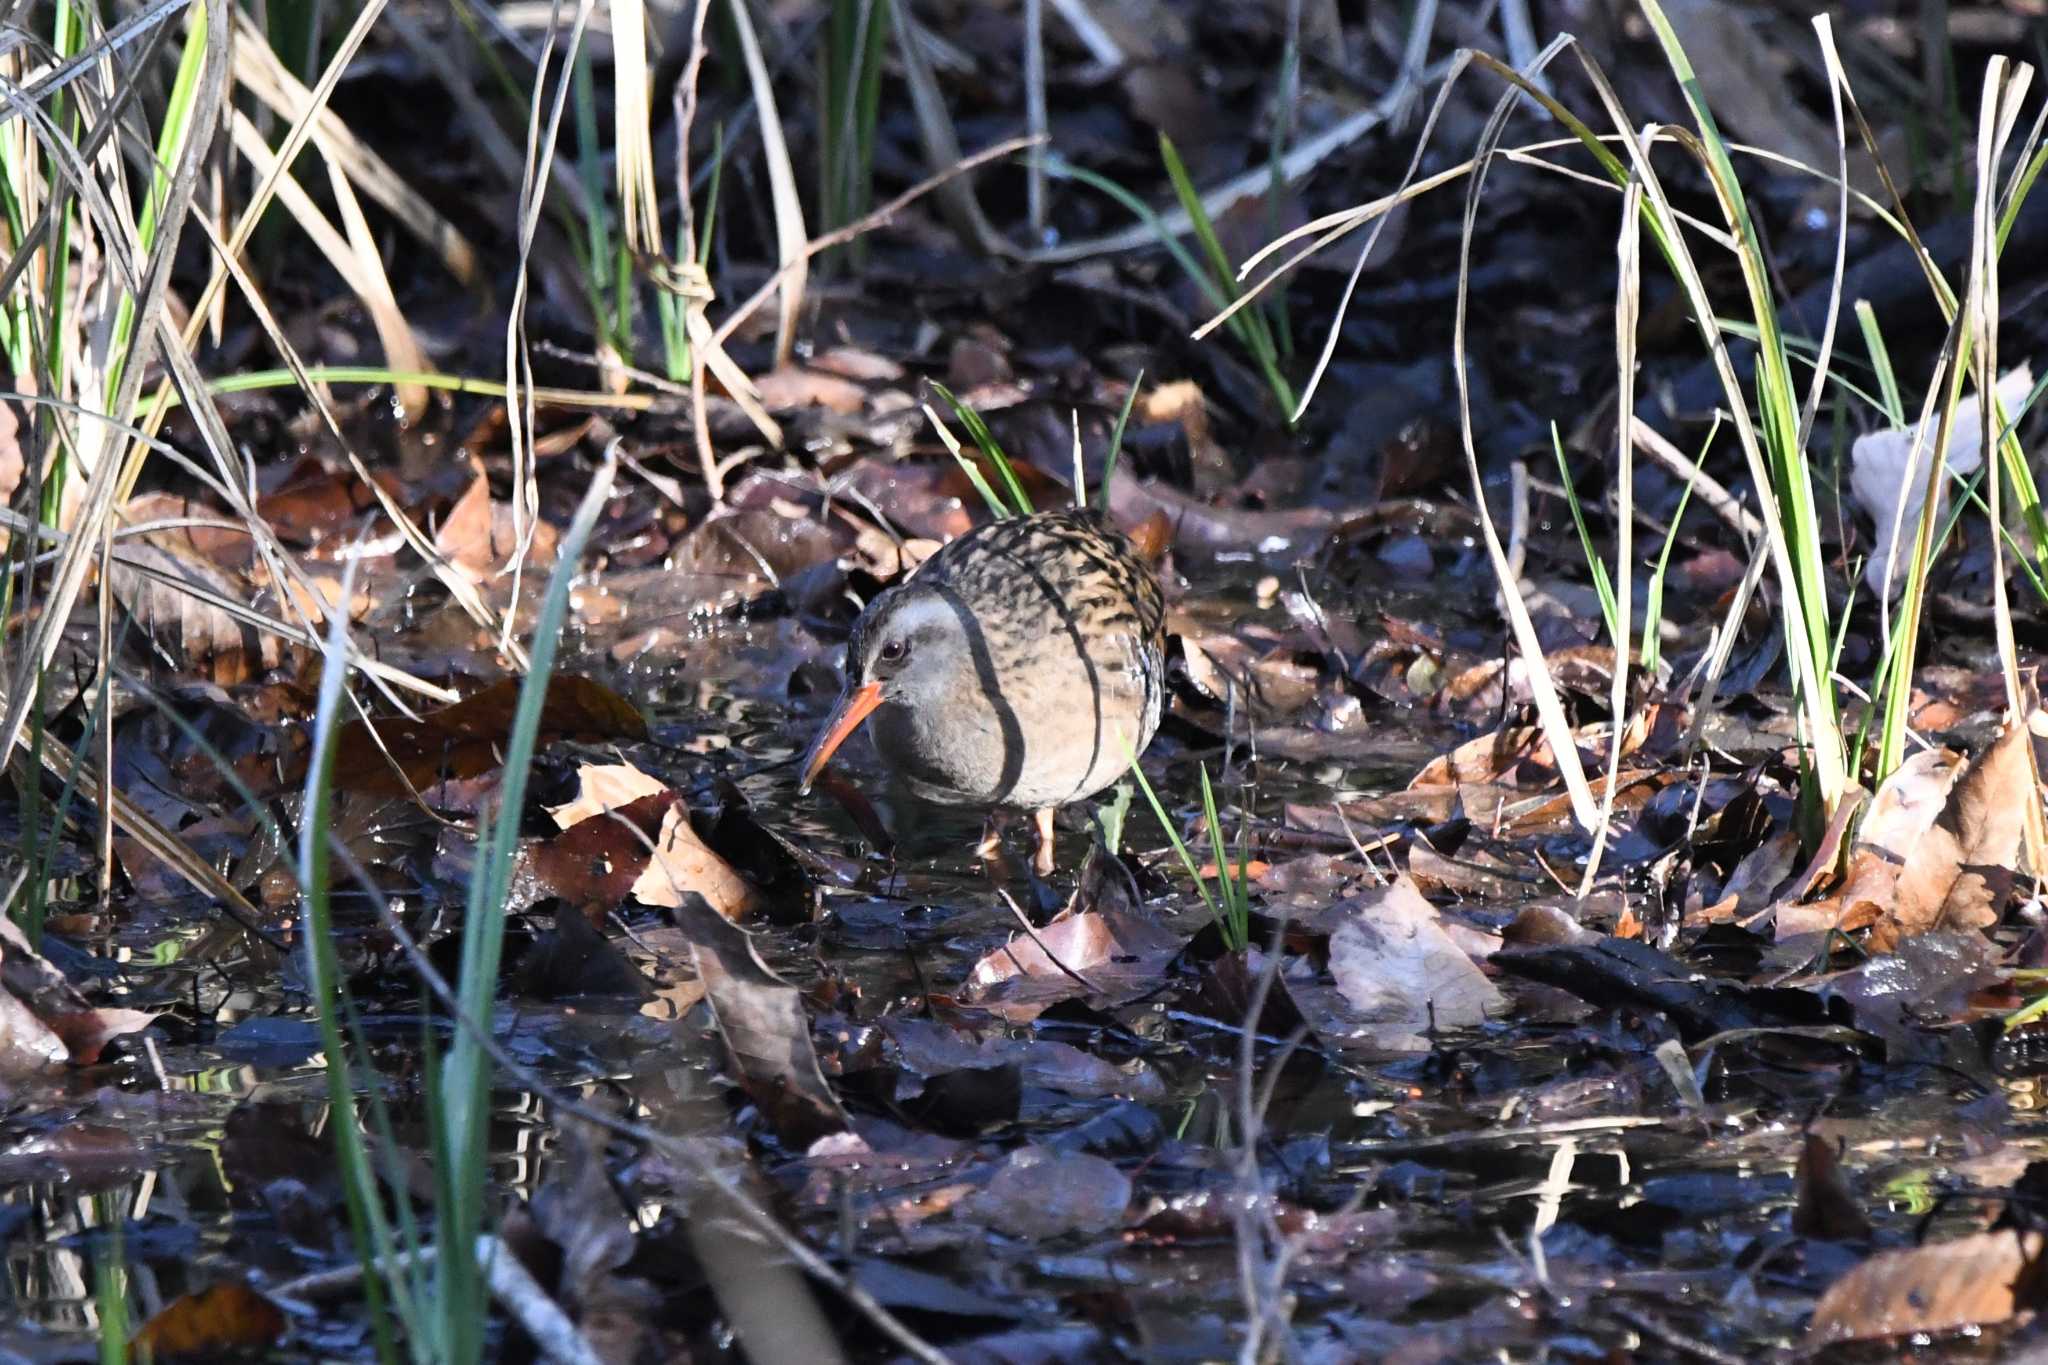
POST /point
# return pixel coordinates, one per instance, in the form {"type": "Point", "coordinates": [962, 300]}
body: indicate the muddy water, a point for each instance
{"type": "Point", "coordinates": [1538, 1190]}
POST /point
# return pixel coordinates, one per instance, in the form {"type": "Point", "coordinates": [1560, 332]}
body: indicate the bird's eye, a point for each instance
{"type": "Point", "coordinates": [894, 650]}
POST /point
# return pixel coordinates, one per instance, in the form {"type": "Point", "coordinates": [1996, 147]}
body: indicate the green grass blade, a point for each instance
{"type": "Point", "coordinates": [985, 442]}
{"type": "Point", "coordinates": [1116, 441]}
{"type": "Point", "coordinates": [1881, 361]}
{"type": "Point", "coordinates": [1602, 585]}
{"type": "Point", "coordinates": [1187, 859]}
{"type": "Point", "coordinates": [460, 1290]}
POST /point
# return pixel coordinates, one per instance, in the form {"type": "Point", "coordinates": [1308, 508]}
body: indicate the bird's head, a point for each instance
{"type": "Point", "coordinates": [910, 648]}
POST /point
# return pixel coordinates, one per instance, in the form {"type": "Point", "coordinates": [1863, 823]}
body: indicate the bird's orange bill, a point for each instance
{"type": "Point", "coordinates": [853, 708]}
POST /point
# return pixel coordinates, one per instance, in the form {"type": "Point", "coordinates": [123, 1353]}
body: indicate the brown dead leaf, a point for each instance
{"type": "Point", "coordinates": [593, 863]}
{"type": "Point", "coordinates": [1827, 1207]}
{"type": "Point", "coordinates": [1400, 975]}
{"type": "Point", "coordinates": [1754, 879]}
{"type": "Point", "coordinates": [1959, 875]}
{"type": "Point", "coordinates": [683, 863]}
{"type": "Point", "coordinates": [602, 787]}
{"type": "Point", "coordinates": [761, 1018]}
{"type": "Point", "coordinates": [792, 387]}
{"type": "Point", "coordinates": [218, 1320]}
{"type": "Point", "coordinates": [28, 1046]}
{"type": "Point", "coordinates": [1899, 816]}
{"type": "Point", "coordinates": [163, 589]}
{"type": "Point", "coordinates": [87, 1032]}
{"type": "Point", "coordinates": [479, 536]}
{"type": "Point", "coordinates": [850, 362]}
{"type": "Point", "coordinates": [1114, 955]}
{"type": "Point", "coordinates": [464, 536]}
{"type": "Point", "coordinates": [1486, 758]}
{"type": "Point", "coordinates": [468, 737]}
{"type": "Point", "coordinates": [1969, 1282]}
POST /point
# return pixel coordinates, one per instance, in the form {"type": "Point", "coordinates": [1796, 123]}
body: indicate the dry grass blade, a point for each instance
{"type": "Point", "coordinates": [533, 177]}
{"type": "Point", "coordinates": [458, 584]}
{"type": "Point", "coordinates": [1998, 116]}
{"type": "Point", "coordinates": [693, 286]}
{"type": "Point", "coordinates": [1091, 34]}
{"type": "Point", "coordinates": [1825, 32]}
{"type": "Point", "coordinates": [789, 209]}
{"type": "Point", "coordinates": [639, 212]}
{"type": "Point", "coordinates": [1628, 303]}
{"type": "Point", "coordinates": [105, 480]}
{"type": "Point", "coordinates": [258, 70]}
{"type": "Point", "coordinates": [1549, 707]}
{"type": "Point", "coordinates": [402, 350]}
{"type": "Point", "coordinates": [356, 261]}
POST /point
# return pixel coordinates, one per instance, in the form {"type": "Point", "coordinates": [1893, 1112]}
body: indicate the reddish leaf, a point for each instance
{"type": "Point", "coordinates": [87, 1032]}
{"type": "Point", "coordinates": [593, 863]}
{"type": "Point", "coordinates": [469, 737]}
{"type": "Point", "coordinates": [225, 1317]}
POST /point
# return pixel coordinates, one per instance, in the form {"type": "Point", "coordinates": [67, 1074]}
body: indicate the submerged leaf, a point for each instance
{"type": "Point", "coordinates": [1969, 1282]}
{"type": "Point", "coordinates": [1402, 974]}
{"type": "Point", "coordinates": [761, 1019]}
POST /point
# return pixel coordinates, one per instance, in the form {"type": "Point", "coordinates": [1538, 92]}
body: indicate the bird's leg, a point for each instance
{"type": "Point", "coordinates": [991, 846]}
{"type": "Point", "coordinates": [1041, 853]}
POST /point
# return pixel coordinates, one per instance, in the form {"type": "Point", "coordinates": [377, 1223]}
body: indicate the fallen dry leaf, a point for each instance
{"type": "Point", "coordinates": [1899, 816]}
{"type": "Point", "coordinates": [1402, 975]}
{"type": "Point", "coordinates": [1970, 1282]}
{"type": "Point", "coordinates": [602, 787]}
{"type": "Point", "coordinates": [683, 864]}
{"type": "Point", "coordinates": [1960, 873]}
{"type": "Point", "coordinates": [761, 1018]}
{"type": "Point", "coordinates": [1117, 956]}
{"type": "Point", "coordinates": [28, 1046]}
{"type": "Point", "coordinates": [479, 536]}
{"type": "Point", "coordinates": [165, 590]}
{"type": "Point", "coordinates": [792, 387]}
{"type": "Point", "coordinates": [1040, 1194]}
{"type": "Point", "coordinates": [468, 737]}
{"type": "Point", "coordinates": [1826, 1207]}
{"type": "Point", "coordinates": [218, 1320]}
{"type": "Point", "coordinates": [86, 1033]}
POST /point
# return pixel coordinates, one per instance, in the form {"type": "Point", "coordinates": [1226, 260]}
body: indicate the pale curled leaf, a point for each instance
{"type": "Point", "coordinates": [1888, 475]}
{"type": "Point", "coordinates": [603, 787]}
{"type": "Point", "coordinates": [1402, 974]}
{"type": "Point", "coordinates": [683, 864]}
